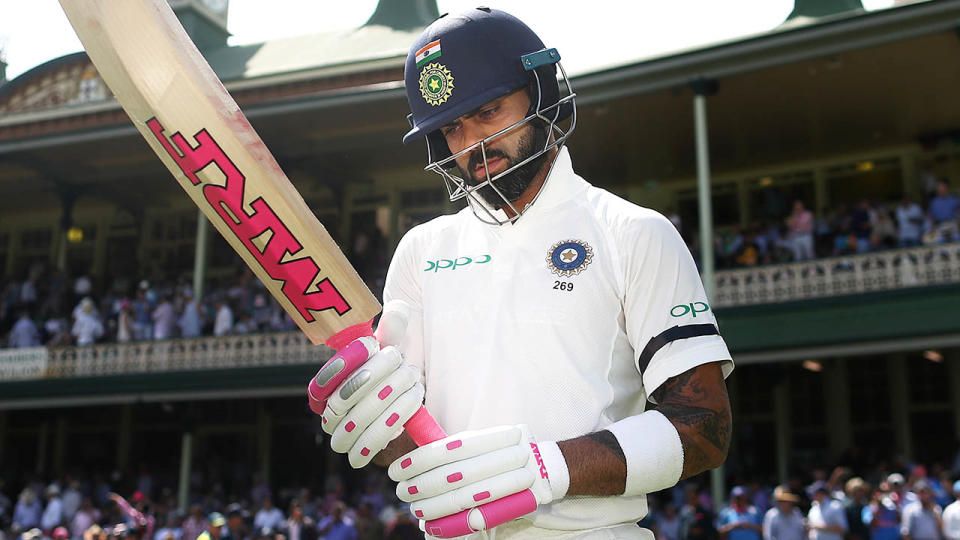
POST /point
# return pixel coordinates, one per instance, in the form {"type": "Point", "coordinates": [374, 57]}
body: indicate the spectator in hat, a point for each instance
{"type": "Point", "coordinates": [60, 533]}
{"type": "Point", "coordinates": [26, 513]}
{"type": "Point", "coordinates": [826, 519]}
{"type": "Point", "coordinates": [896, 484]}
{"type": "Point", "coordinates": [856, 491]}
{"type": "Point", "coordinates": [740, 520]}
{"type": "Point", "coordinates": [215, 522]}
{"type": "Point", "coordinates": [784, 521]}
{"type": "Point", "coordinates": [53, 513]}
{"type": "Point", "coordinates": [87, 327]}
{"type": "Point", "coordinates": [921, 518]}
{"type": "Point", "coordinates": [882, 515]}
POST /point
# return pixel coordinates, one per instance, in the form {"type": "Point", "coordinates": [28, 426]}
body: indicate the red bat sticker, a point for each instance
{"type": "Point", "coordinates": [297, 275]}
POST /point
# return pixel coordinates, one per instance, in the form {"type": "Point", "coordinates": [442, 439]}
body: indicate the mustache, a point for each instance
{"type": "Point", "coordinates": [476, 158]}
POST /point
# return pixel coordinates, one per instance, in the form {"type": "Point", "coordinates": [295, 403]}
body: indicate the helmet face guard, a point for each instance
{"type": "Point", "coordinates": [458, 188]}
{"type": "Point", "coordinates": [486, 54]}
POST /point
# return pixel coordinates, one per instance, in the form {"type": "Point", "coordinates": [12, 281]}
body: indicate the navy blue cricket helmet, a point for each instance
{"type": "Point", "coordinates": [464, 60]}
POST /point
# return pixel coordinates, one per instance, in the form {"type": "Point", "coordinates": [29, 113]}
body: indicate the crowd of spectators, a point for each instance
{"type": "Point", "coordinates": [913, 504]}
{"type": "Point", "coordinates": [72, 508]}
{"type": "Point", "coordinates": [844, 230]}
{"type": "Point", "coordinates": [882, 502]}
{"type": "Point", "coordinates": [53, 309]}
{"type": "Point", "coordinates": [50, 309]}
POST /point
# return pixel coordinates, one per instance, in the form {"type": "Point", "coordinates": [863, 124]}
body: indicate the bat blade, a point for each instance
{"type": "Point", "coordinates": [196, 128]}
{"type": "Point", "coordinates": [186, 115]}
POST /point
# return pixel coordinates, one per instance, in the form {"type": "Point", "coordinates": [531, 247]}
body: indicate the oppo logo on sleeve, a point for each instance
{"type": "Point", "coordinates": [687, 309]}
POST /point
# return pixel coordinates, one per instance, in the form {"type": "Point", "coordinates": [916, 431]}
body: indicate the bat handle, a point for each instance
{"type": "Point", "coordinates": [423, 429]}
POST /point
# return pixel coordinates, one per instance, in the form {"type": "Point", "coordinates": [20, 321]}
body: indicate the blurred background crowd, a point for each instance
{"type": "Point", "coordinates": [843, 230]}
{"type": "Point", "coordinates": [884, 501]}
{"type": "Point", "coordinates": [52, 308]}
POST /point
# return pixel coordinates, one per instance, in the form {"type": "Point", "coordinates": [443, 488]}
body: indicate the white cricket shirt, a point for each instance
{"type": "Point", "coordinates": [543, 321]}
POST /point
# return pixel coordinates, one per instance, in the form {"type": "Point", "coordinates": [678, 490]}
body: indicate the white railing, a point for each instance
{"type": "Point", "coordinates": [836, 276]}
{"type": "Point", "coordinates": [160, 356]}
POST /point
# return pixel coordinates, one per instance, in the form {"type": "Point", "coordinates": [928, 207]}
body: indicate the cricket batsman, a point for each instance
{"type": "Point", "coordinates": [560, 334]}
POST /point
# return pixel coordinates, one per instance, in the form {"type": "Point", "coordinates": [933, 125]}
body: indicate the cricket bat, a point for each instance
{"type": "Point", "coordinates": [196, 128]}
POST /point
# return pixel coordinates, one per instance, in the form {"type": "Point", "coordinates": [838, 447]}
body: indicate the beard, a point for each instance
{"type": "Point", "coordinates": [511, 185]}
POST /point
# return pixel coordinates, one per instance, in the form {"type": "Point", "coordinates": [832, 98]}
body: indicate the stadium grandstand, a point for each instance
{"type": "Point", "coordinates": [138, 352]}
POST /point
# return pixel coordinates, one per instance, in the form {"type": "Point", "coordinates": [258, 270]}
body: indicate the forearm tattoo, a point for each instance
{"type": "Point", "coordinates": [596, 464]}
{"type": "Point", "coordinates": [697, 404]}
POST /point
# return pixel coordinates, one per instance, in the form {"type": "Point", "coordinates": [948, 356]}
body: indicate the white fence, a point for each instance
{"type": "Point", "coordinates": [836, 276]}
{"type": "Point", "coordinates": [159, 356]}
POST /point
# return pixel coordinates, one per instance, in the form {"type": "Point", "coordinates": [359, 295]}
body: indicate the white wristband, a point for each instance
{"type": "Point", "coordinates": [556, 465]}
{"type": "Point", "coordinates": [654, 453]}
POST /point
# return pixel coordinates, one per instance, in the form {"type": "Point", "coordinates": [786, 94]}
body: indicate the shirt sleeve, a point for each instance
{"type": "Point", "coordinates": [768, 533]}
{"type": "Point", "coordinates": [402, 283]}
{"type": "Point", "coordinates": [669, 321]}
{"type": "Point", "coordinates": [905, 525]}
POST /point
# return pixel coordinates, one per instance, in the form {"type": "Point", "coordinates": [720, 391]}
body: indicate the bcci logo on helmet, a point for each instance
{"type": "Point", "coordinates": [436, 84]}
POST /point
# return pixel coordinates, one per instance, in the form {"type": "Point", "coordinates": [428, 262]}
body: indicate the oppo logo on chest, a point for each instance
{"type": "Point", "coordinates": [456, 263]}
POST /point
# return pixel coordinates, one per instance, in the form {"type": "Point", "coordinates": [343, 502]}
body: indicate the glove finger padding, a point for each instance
{"type": "Point", "coordinates": [387, 426]}
{"type": "Point", "coordinates": [461, 446]}
{"type": "Point", "coordinates": [372, 404]}
{"type": "Point", "coordinates": [473, 468]}
{"type": "Point", "coordinates": [360, 384]}
{"type": "Point", "coordinates": [461, 473]}
{"type": "Point", "coordinates": [473, 495]}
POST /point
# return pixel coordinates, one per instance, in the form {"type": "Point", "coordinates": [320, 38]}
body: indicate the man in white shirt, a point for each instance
{"type": "Point", "coordinates": [87, 327]}
{"type": "Point", "coordinates": [544, 316]}
{"type": "Point", "coordinates": [921, 517]}
{"type": "Point", "coordinates": [951, 516]}
{"type": "Point", "coordinates": [268, 517]}
{"type": "Point", "coordinates": [223, 322]}
{"type": "Point", "coordinates": [909, 222]}
{"type": "Point", "coordinates": [826, 518]}
{"type": "Point", "coordinates": [784, 521]}
{"type": "Point", "coordinates": [53, 513]}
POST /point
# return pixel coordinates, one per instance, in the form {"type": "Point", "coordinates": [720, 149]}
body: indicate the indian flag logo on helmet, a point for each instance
{"type": "Point", "coordinates": [436, 83]}
{"type": "Point", "coordinates": [428, 52]}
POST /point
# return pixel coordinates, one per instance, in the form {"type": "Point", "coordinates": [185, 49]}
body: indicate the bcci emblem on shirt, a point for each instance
{"type": "Point", "coordinates": [569, 257]}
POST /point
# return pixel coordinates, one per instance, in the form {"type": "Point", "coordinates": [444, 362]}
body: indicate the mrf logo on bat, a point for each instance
{"type": "Point", "coordinates": [297, 274]}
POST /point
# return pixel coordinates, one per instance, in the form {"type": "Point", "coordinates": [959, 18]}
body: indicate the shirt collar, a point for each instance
{"type": "Point", "coordinates": [560, 185]}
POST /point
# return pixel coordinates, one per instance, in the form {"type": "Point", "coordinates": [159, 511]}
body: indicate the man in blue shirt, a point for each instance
{"type": "Point", "coordinates": [944, 206]}
{"type": "Point", "coordinates": [740, 520]}
{"type": "Point", "coordinates": [336, 526]}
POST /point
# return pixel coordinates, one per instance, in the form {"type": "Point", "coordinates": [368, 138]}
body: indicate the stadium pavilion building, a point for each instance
{"type": "Point", "coordinates": [852, 358]}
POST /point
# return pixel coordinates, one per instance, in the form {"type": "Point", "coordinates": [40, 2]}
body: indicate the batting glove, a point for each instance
{"type": "Point", "coordinates": [472, 468]}
{"type": "Point", "coordinates": [368, 409]}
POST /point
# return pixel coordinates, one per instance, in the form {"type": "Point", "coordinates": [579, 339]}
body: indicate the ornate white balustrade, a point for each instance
{"type": "Point", "coordinates": [160, 356]}
{"type": "Point", "coordinates": [836, 276]}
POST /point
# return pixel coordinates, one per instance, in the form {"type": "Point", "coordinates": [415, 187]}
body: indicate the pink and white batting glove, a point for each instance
{"type": "Point", "coordinates": [467, 470]}
{"type": "Point", "coordinates": [368, 409]}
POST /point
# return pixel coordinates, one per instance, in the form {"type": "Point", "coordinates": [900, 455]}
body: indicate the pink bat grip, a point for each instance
{"type": "Point", "coordinates": [423, 429]}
